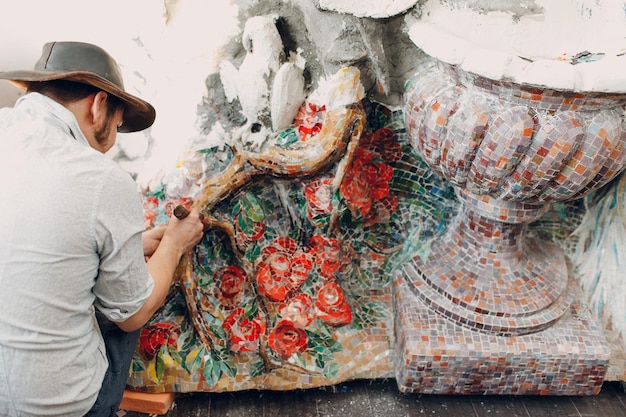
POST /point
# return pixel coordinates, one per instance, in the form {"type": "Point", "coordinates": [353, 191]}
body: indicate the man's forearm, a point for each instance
{"type": "Point", "coordinates": [162, 266]}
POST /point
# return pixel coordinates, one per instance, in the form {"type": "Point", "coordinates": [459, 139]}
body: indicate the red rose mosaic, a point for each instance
{"type": "Point", "coordinates": [282, 268]}
{"type": "Point", "coordinates": [155, 336]}
{"type": "Point", "coordinates": [286, 339]}
{"type": "Point", "coordinates": [309, 120]}
{"type": "Point", "coordinates": [366, 182]}
{"type": "Point", "coordinates": [318, 199]}
{"type": "Point", "coordinates": [230, 284]}
{"type": "Point", "coordinates": [243, 332]}
{"type": "Point", "coordinates": [298, 310]}
{"type": "Point", "coordinates": [331, 305]}
{"type": "Point", "coordinates": [327, 254]}
{"type": "Point", "coordinates": [382, 142]}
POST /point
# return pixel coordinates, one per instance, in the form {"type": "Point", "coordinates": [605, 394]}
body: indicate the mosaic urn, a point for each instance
{"type": "Point", "coordinates": [515, 123]}
{"type": "Point", "coordinates": [509, 150]}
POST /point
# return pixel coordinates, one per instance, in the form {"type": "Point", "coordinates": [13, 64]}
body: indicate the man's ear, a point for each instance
{"type": "Point", "coordinates": [98, 108]}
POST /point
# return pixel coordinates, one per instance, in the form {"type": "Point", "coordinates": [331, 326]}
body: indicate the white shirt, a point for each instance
{"type": "Point", "coordinates": [70, 238]}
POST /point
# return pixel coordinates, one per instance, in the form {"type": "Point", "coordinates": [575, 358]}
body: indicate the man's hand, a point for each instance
{"type": "Point", "coordinates": [151, 239]}
{"type": "Point", "coordinates": [185, 234]}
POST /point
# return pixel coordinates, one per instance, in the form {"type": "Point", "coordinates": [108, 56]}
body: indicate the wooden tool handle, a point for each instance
{"type": "Point", "coordinates": [180, 212]}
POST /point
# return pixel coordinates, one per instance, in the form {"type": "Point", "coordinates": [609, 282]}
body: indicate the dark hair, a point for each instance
{"type": "Point", "coordinates": [65, 91]}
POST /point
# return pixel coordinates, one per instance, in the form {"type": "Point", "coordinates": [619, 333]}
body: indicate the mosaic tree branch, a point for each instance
{"type": "Point", "coordinates": [318, 153]}
{"type": "Point", "coordinates": [341, 126]}
{"type": "Point", "coordinates": [209, 222]}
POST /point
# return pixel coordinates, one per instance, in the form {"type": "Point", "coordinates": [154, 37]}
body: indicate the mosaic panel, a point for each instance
{"type": "Point", "coordinates": [292, 285]}
{"type": "Point", "coordinates": [297, 293]}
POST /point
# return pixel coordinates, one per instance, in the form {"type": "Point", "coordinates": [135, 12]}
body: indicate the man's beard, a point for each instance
{"type": "Point", "coordinates": [104, 132]}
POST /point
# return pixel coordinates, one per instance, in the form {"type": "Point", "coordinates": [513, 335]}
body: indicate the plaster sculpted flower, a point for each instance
{"type": "Point", "coordinates": [331, 305]}
{"type": "Point", "coordinates": [326, 253]}
{"type": "Point", "coordinates": [154, 336]}
{"type": "Point", "coordinates": [366, 181]}
{"type": "Point", "coordinates": [243, 332]}
{"type": "Point", "coordinates": [230, 284]}
{"type": "Point", "coordinates": [282, 268]}
{"type": "Point", "coordinates": [298, 310]}
{"type": "Point", "coordinates": [286, 339]}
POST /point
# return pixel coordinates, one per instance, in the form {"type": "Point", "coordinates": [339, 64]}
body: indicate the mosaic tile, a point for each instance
{"type": "Point", "coordinates": [441, 357]}
{"type": "Point", "coordinates": [496, 294]}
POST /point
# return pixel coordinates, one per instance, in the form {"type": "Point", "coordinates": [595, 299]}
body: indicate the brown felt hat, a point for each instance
{"type": "Point", "coordinates": [87, 64]}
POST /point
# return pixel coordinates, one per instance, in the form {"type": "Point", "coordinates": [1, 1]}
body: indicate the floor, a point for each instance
{"type": "Point", "coordinates": [381, 398]}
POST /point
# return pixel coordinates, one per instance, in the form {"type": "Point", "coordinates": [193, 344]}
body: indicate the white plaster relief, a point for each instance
{"type": "Point", "coordinates": [535, 48]}
{"type": "Point", "coordinates": [368, 8]}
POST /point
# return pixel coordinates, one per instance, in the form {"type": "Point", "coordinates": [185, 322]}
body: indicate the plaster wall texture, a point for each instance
{"type": "Point", "coordinates": [375, 9]}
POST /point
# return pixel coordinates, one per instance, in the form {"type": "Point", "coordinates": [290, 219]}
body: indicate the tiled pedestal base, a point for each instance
{"type": "Point", "coordinates": [437, 356]}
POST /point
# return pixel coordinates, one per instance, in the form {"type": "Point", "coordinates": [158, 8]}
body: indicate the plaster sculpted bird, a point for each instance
{"type": "Point", "coordinates": [269, 87]}
{"type": "Point", "coordinates": [288, 92]}
{"type": "Point", "coordinates": [252, 82]}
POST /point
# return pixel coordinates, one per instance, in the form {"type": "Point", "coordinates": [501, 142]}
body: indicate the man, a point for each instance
{"type": "Point", "coordinates": [71, 249]}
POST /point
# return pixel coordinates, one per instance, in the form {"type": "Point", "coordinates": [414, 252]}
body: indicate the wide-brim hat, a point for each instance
{"type": "Point", "coordinates": [88, 64]}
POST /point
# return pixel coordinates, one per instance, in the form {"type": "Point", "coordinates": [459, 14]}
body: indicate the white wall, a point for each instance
{"type": "Point", "coordinates": [166, 48]}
